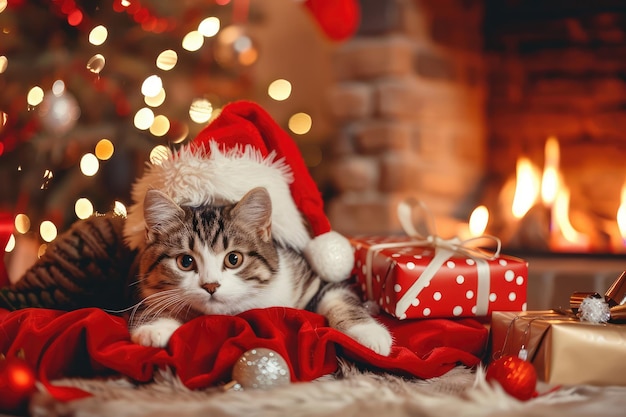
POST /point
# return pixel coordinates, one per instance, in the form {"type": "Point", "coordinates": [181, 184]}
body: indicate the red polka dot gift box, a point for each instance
{"type": "Point", "coordinates": [437, 278]}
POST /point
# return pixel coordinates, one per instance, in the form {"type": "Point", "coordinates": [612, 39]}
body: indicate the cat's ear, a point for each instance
{"type": "Point", "coordinates": [159, 210]}
{"type": "Point", "coordinates": [255, 210]}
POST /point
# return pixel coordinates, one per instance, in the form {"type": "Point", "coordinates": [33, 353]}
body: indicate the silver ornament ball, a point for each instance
{"type": "Point", "coordinates": [261, 368]}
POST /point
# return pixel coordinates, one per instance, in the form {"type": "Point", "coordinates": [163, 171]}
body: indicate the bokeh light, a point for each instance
{"type": "Point", "coordinates": [159, 153]}
{"type": "Point", "coordinates": [4, 63]}
{"type": "Point", "coordinates": [35, 96]}
{"type": "Point", "coordinates": [120, 209]}
{"type": "Point", "coordinates": [160, 125]}
{"type": "Point", "coordinates": [75, 17]}
{"type": "Point", "coordinates": [48, 231]}
{"type": "Point", "coordinates": [144, 118]}
{"type": "Point", "coordinates": [104, 149]}
{"type": "Point", "coordinates": [3, 5]}
{"type": "Point", "coordinates": [22, 223]}
{"type": "Point", "coordinates": [58, 88]}
{"type": "Point", "coordinates": [152, 86]}
{"type": "Point", "coordinates": [300, 123]}
{"type": "Point", "coordinates": [201, 110]}
{"type": "Point", "coordinates": [155, 101]}
{"type": "Point", "coordinates": [209, 27]}
{"type": "Point", "coordinates": [10, 244]}
{"type": "Point", "coordinates": [279, 89]}
{"type": "Point", "coordinates": [42, 249]}
{"type": "Point", "coordinates": [89, 164]}
{"type": "Point", "coordinates": [98, 35]}
{"type": "Point", "coordinates": [167, 60]}
{"type": "Point", "coordinates": [83, 208]}
{"type": "Point", "coordinates": [193, 41]}
{"type": "Point", "coordinates": [96, 63]}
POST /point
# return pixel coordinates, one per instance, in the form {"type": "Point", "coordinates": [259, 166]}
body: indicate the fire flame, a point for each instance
{"type": "Point", "coordinates": [550, 180]}
{"type": "Point", "coordinates": [526, 188]}
{"type": "Point", "coordinates": [478, 221]}
{"type": "Point", "coordinates": [621, 213]}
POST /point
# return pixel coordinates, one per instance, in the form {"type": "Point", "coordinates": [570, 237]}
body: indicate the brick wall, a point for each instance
{"type": "Point", "coordinates": [559, 68]}
{"type": "Point", "coordinates": [409, 102]}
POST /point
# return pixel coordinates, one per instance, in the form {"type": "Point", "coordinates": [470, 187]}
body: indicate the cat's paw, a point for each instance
{"type": "Point", "coordinates": [156, 333]}
{"type": "Point", "coordinates": [372, 335]}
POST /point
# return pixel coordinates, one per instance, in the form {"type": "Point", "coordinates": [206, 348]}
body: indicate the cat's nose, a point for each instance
{"type": "Point", "coordinates": [210, 287]}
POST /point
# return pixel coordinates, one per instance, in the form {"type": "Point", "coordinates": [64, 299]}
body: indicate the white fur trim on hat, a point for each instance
{"type": "Point", "coordinates": [331, 255]}
{"type": "Point", "coordinates": [196, 177]}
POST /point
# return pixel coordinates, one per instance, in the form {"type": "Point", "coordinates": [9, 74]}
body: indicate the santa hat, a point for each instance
{"type": "Point", "coordinates": [241, 149]}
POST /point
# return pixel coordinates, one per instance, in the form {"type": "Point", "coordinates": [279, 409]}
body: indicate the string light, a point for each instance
{"type": "Point", "coordinates": [201, 110]}
{"type": "Point", "coordinates": [35, 96]}
{"type": "Point", "coordinates": [98, 35]}
{"type": "Point", "coordinates": [48, 231]}
{"type": "Point", "coordinates": [104, 149]}
{"type": "Point", "coordinates": [209, 27]}
{"type": "Point", "coordinates": [279, 89]}
{"type": "Point", "coordinates": [160, 126]}
{"type": "Point", "coordinates": [10, 244]}
{"type": "Point", "coordinates": [4, 63]}
{"type": "Point", "coordinates": [151, 86]}
{"type": "Point", "coordinates": [300, 123]}
{"type": "Point", "coordinates": [22, 223]}
{"type": "Point", "coordinates": [193, 41]}
{"type": "Point", "coordinates": [159, 154]}
{"type": "Point", "coordinates": [83, 208]}
{"type": "Point", "coordinates": [3, 5]}
{"type": "Point", "coordinates": [89, 165]}
{"type": "Point", "coordinates": [119, 208]}
{"type": "Point", "coordinates": [96, 63]}
{"type": "Point", "coordinates": [155, 101]}
{"type": "Point", "coordinates": [144, 118]}
{"type": "Point", "coordinates": [167, 60]}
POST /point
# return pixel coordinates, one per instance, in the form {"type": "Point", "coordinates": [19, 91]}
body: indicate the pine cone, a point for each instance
{"type": "Point", "coordinates": [87, 266]}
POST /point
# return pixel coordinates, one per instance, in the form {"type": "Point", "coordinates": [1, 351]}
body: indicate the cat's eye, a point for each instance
{"type": "Point", "coordinates": [185, 262]}
{"type": "Point", "coordinates": [233, 259]}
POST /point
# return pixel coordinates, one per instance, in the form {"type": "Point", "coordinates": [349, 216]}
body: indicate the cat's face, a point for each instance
{"type": "Point", "coordinates": [207, 260]}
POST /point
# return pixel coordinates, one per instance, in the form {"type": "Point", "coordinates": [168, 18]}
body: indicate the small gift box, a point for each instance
{"type": "Point", "coordinates": [417, 276]}
{"type": "Point", "coordinates": [563, 349]}
{"type": "Point", "coordinates": [580, 346]}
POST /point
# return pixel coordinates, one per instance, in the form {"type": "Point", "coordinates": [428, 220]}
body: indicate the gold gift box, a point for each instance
{"type": "Point", "coordinates": [563, 350]}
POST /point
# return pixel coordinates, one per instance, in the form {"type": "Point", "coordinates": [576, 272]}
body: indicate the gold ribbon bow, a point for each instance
{"type": "Point", "coordinates": [412, 209]}
{"type": "Point", "coordinates": [615, 298]}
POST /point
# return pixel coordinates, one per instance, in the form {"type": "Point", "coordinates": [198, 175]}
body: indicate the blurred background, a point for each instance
{"type": "Point", "coordinates": [504, 116]}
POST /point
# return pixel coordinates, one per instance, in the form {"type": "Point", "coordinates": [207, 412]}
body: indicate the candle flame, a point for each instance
{"type": "Point", "coordinates": [478, 221]}
{"type": "Point", "coordinates": [550, 180]}
{"type": "Point", "coordinates": [526, 188]}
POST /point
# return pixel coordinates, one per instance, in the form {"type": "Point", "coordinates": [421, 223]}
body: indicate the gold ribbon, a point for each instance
{"type": "Point", "coordinates": [615, 297]}
{"type": "Point", "coordinates": [444, 249]}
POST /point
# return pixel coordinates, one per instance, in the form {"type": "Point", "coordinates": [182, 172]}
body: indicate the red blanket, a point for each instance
{"type": "Point", "coordinates": [89, 342]}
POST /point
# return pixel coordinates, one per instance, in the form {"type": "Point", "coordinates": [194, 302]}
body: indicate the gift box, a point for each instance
{"type": "Point", "coordinates": [563, 349]}
{"type": "Point", "coordinates": [419, 278]}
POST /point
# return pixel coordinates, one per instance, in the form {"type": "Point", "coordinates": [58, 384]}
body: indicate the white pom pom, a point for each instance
{"type": "Point", "coordinates": [594, 310]}
{"type": "Point", "coordinates": [331, 256]}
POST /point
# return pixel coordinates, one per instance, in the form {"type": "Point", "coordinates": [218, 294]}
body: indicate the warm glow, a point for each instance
{"type": "Point", "coordinates": [167, 60]}
{"type": "Point", "coordinates": [157, 100]}
{"type": "Point", "coordinates": [48, 231]}
{"type": "Point", "coordinates": [119, 209]}
{"type": "Point", "coordinates": [279, 90]}
{"type": "Point", "coordinates": [98, 35]}
{"type": "Point", "coordinates": [83, 208]}
{"type": "Point", "coordinates": [526, 188]}
{"type": "Point", "coordinates": [96, 63]}
{"type": "Point", "coordinates": [561, 217]}
{"type": "Point", "coordinates": [621, 213]}
{"type": "Point", "coordinates": [4, 63]}
{"type": "Point", "coordinates": [300, 123]}
{"type": "Point", "coordinates": [89, 165]}
{"type": "Point", "coordinates": [152, 86]}
{"type": "Point", "coordinates": [22, 223]}
{"type": "Point", "coordinates": [478, 221]}
{"type": "Point", "coordinates": [550, 180]}
{"type": "Point", "coordinates": [160, 126]}
{"type": "Point", "coordinates": [144, 118]}
{"type": "Point", "coordinates": [201, 110]}
{"type": "Point", "coordinates": [35, 96]}
{"type": "Point", "coordinates": [10, 244]}
{"type": "Point", "coordinates": [159, 154]}
{"type": "Point", "coordinates": [193, 41]}
{"type": "Point", "coordinates": [104, 149]}
{"type": "Point", "coordinates": [3, 5]}
{"type": "Point", "coordinates": [209, 27]}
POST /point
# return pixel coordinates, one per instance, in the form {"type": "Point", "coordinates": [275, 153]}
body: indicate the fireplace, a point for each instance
{"type": "Point", "coordinates": [448, 101]}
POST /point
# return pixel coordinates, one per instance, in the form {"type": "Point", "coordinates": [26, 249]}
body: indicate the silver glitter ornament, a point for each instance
{"type": "Point", "coordinates": [261, 368]}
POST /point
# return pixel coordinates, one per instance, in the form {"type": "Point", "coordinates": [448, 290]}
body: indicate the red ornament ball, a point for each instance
{"type": "Point", "coordinates": [17, 384]}
{"type": "Point", "coordinates": [516, 376]}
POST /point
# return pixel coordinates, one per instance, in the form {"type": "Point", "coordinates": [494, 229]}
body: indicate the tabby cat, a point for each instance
{"type": "Point", "coordinates": [222, 260]}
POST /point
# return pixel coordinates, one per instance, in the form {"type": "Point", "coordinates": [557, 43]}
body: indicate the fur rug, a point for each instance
{"type": "Point", "coordinates": [350, 393]}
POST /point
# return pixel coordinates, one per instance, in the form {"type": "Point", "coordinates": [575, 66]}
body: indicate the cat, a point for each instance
{"type": "Point", "coordinates": [222, 260]}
